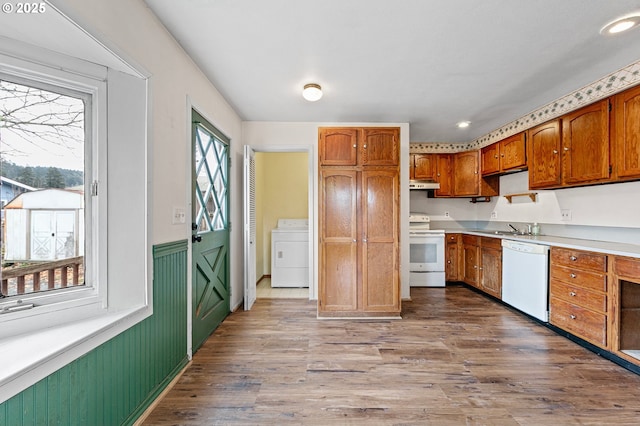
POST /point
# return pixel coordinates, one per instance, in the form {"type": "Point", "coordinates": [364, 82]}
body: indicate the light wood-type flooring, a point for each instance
{"type": "Point", "coordinates": [456, 358]}
{"type": "Point", "coordinates": [265, 291]}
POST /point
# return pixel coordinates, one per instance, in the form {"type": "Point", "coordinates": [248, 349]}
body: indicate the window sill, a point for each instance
{"type": "Point", "coordinates": [28, 358]}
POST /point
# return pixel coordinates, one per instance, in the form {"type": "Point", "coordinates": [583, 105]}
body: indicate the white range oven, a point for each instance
{"type": "Point", "coordinates": [426, 253]}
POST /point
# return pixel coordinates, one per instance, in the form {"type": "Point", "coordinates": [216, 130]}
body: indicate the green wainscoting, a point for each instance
{"type": "Point", "coordinates": [117, 381]}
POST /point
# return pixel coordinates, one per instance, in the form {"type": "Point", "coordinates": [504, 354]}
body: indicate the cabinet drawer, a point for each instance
{"type": "Point", "coordinates": [452, 238]}
{"type": "Point", "coordinates": [490, 242]}
{"type": "Point", "coordinates": [626, 266]}
{"type": "Point", "coordinates": [577, 277]}
{"type": "Point", "coordinates": [579, 259]}
{"type": "Point", "coordinates": [579, 296]}
{"type": "Point", "coordinates": [470, 239]}
{"type": "Point", "coordinates": [582, 322]}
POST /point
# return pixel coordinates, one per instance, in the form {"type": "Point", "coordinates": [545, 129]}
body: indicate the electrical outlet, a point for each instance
{"type": "Point", "coordinates": [565, 215]}
{"type": "Point", "coordinates": [494, 215]}
{"type": "Point", "coordinates": [446, 214]}
{"type": "Point", "coordinates": [179, 216]}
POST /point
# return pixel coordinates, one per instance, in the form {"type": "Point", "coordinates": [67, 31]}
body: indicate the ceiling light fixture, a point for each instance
{"type": "Point", "coordinates": [312, 92]}
{"type": "Point", "coordinates": [463, 124]}
{"type": "Point", "coordinates": [619, 25]}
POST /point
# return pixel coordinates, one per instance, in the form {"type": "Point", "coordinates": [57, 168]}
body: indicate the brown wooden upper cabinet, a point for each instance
{"type": "Point", "coordinates": [627, 133]}
{"type": "Point", "coordinates": [356, 146]}
{"type": "Point", "coordinates": [467, 180]}
{"type": "Point", "coordinates": [380, 146]}
{"type": "Point", "coordinates": [338, 147]}
{"type": "Point", "coordinates": [422, 166]}
{"type": "Point", "coordinates": [585, 145]}
{"type": "Point", "coordinates": [505, 156]}
{"type": "Point", "coordinates": [571, 151]}
{"type": "Point", "coordinates": [444, 175]}
{"type": "Point", "coordinates": [543, 155]}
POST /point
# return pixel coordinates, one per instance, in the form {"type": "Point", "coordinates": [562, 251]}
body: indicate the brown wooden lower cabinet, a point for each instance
{"type": "Point", "coordinates": [576, 319]}
{"type": "Point", "coordinates": [482, 263]}
{"type": "Point", "coordinates": [452, 257]}
{"type": "Point", "coordinates": [625, 324]}
{"type": "Point", "coordinates": [469, 268]}
{"type": "Point", "coordinates": [578, 294]}
{"type": "Point", "coordinates": [491, 266]}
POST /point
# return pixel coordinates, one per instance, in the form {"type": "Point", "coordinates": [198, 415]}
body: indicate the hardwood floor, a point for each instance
{"type": "Point", "coordinates": [455, 358]}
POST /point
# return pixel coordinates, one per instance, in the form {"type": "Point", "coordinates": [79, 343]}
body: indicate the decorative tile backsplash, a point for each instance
{"type": "Point", "coordinates": [600, 89]}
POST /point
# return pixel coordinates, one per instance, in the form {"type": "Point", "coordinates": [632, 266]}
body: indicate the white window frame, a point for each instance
{"type": "Point", "coordinates": [53, 307]}
{"type": "Point", "coordinates": [91, 297]}
{"type": "Point", "coordinates": [68, 323]}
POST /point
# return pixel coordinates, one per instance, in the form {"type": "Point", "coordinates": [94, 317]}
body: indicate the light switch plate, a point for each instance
{"type": "Point", "coordinates": [179, 216]}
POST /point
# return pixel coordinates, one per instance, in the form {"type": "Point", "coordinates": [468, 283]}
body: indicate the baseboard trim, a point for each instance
{"type": "Point", "coordinates": [152, 406]}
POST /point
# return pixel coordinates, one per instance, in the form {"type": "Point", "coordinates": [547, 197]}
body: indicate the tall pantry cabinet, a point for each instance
{"type": "Point", "coordinates": [359, 222]}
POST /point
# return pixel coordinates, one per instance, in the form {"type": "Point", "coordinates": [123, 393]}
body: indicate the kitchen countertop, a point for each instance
{"type": "Point", "coordinates": [620, 249]}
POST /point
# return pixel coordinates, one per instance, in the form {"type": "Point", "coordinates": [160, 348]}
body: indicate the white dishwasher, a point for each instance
{"type": "Point", "coordinates": [525, 277]}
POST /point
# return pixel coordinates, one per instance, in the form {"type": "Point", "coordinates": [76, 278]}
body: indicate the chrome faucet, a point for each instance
{"type": "Point", "coordinates": [514, 229]}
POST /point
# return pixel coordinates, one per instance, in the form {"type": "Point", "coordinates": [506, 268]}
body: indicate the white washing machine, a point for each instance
{"type": "Point", "coordinates": [290, 253]}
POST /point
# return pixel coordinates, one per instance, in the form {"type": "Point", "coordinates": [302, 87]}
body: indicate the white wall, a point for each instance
{"type": "Point", "coordinates": [132, 31]}
{"type": "Point", "coordinates": [607, 212]}
{"type": "Point", "coordinates": [270, 134]}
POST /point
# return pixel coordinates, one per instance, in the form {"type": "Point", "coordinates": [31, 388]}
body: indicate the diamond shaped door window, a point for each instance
{"type": "Point", "coordinates": [211, 166]}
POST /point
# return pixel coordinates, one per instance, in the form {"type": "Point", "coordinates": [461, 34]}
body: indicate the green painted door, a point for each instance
{"type": "Point", "coordinates": [210, 248]}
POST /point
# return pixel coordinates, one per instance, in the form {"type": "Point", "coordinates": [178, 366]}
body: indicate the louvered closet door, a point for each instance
{"type": "Point", "coordinates": [249, 227]}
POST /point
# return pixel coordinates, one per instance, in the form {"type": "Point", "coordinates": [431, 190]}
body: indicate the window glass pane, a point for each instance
{"type": "Point", "coordinates": [42, 157]}
{"type": "Point", "coordinates": [211, 177]}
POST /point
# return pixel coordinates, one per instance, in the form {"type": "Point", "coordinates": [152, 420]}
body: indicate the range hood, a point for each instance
{"type": "Point", "coordinates": [423, 184]}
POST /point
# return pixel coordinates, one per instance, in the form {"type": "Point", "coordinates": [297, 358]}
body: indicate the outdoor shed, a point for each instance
{"type": "Point", "coordinates": [44, 225]}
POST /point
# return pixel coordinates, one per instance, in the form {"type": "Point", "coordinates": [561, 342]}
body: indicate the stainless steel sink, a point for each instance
{"type": "Point", "coordinates": [507, 233]}
{"type": "Point", "coordinates": [498, 233]}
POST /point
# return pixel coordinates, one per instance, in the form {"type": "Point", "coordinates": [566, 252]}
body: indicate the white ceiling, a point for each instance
{"type": "Point", "coordinates": [428, 63]}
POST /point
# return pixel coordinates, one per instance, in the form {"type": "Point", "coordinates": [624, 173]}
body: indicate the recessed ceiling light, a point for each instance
{"type": "Point", "coordinates": [621, 24]}
{"type": "Point", "coordinates": [463, 124]}
{"type": "Point", "coordinates": [312, 92]}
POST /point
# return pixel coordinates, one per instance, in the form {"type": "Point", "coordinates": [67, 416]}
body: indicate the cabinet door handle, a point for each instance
{"type": "Point", "coordinates": [449, 262]}
{"type": "Point", "coordinates": [355, 241]}
{"type": "Point", "coordinates": [364, 240]}
{"type": "Point", "coordinates": [495, 156]}
{"type": "Point", "coordinates": [573, 258]}
{"type": "Point", "coordinates": [364, 146]}
{"type": "Point", "coordinates": [502, 155]}
{"type": "Point", "coordinates": [572, 316]}
{"type": "Point", "coordinates": [566, 149]}
{"type": "Point", "coordinates": [572, 293]}
{"type": "Point", "coordinates": [355, 146]}
{"type": "Point", "coordinates": [572, 275]}
{"type": "Point", "coordinates": [555, 151]}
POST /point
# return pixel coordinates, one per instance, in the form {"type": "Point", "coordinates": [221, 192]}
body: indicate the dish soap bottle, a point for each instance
{"type": "Point", "coordinates": [535, 229]}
